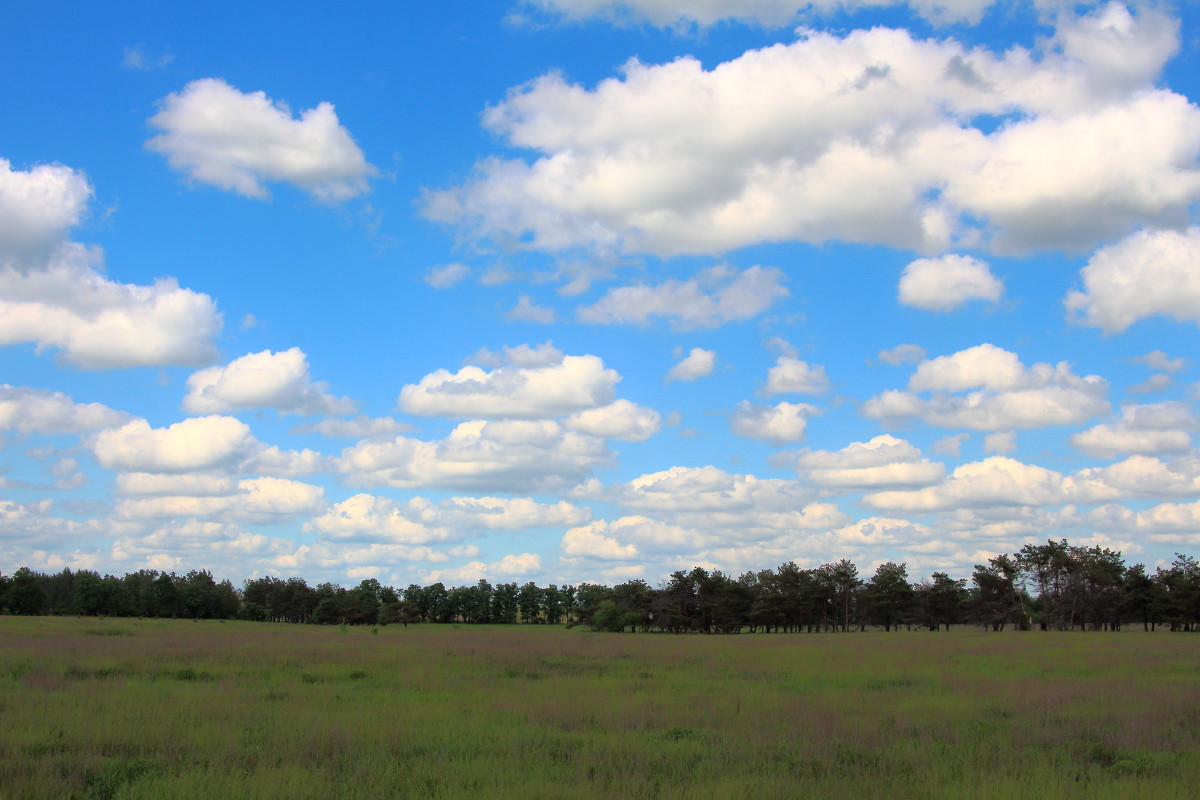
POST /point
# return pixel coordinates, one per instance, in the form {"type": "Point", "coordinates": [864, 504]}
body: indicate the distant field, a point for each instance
{"type": "Point", "coordinates": [154, 709]}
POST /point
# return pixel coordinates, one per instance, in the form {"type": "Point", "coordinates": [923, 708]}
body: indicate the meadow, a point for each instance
{"type": "Point", "coordinates": [126, 708]}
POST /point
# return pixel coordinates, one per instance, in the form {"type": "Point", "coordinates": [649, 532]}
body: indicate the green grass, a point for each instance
{"type": "Point", "coordinates": [151, 709]}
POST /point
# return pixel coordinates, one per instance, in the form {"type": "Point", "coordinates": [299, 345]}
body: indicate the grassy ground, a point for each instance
{"type": "Point", "coordinates": [154, 709]}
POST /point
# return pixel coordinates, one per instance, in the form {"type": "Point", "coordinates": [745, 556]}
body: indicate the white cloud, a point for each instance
{"type": "Point", "coordinates": [574, 383]}
{"type": "Point", "coordinates": [367, 518]}
{"type": "Point", "coordinates": [1154, 429]}
{"type": "Point", "coordinates": [1001, 442]}
{"type": "Point", "coordinates": [884, 461]}
{"type": "Point", "coordinates": [510, 567]}
{"type": "Point", "coordinates": [768, 13]}
{"type": "Point", "coordinates": [237, 141]}
{"type": "Point", "coordinates": [1157, 359]}
{"type": "Point", "coordinates": [947, 283]}
{"type": "Point", "coordinates": [528, 311]}
{"type": "Point", "coordinates": [256, 500]}
{"type": "Point", "coordinates": [792, 376]}
{"type": "Point", "coordinates": [993, 481]}
{"type": "Point", "coordinates": [708, 489]}
{"type": "Point", "coordinates": [597, 540]}
{"type": "Point", "coordinates": [198, 443]}
{"type": "Point", "coordinates": [508, 456]}
{"type": "Point", "coordinates": [696, 364]}
{"type": "Point", "coordinates": [1008, 395]}
{"type": "Point", "coordinates": [1002, 481]}
{"type": "Point", "coordinates": [262, 380]}
{"type": "Point", "coordinates": [444, 276]}
{"type": "Point", "coordinates": [360, 427]}
{"type": "Point", "coordinates": [714, 297]}
{"type": "Point", "coordinates": [97, 323]}
{"type": "Point", "coordinates": [37, 208]}
{"type": "Point", "coordinates": [620, 420]}
{"type": "Point", "coordinates": [1148, 273]}
{"type": "Point", "coordinates": [28, 410]}
{"type": "Point", "coordinates": [778, 424]}
{"type": "Point", "coordinates": [872, 137]}
{"type": "Point", "coordinates": [902, 354]}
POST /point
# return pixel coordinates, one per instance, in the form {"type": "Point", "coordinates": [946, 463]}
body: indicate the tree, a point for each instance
{"type": "Point", "coordinates": [26, 594]}
{"type": "Point", "coordinates": [888, 595]}
{"type": "Point", "coordinates": [999, 597]}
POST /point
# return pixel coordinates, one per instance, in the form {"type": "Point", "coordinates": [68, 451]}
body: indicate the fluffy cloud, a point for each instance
{"type": "Point", "coordinates": [259, 500]}
{"type": "Point", "coordinates": [710, 489]}
{"type": "Point", "coordinates": [697, 364]}
{"type": "Point", "coordinates": [1001, 481]}
{"type": "Point", "coordinates": [1008, 395]}
{"type": "Point", "coordinates": [1142, 429]}
{"type": "Point", "coordinates": [360, 427]}
{"type": "Point", "coordinates": [620, 420]}
{"type": "Point", "coordinates": [198, 443]}
{"type": "Point", "coordinates": [779, 424]}
{"type": "Point", "coordinates": [947, 283]}
{"type": "Point", "coordinates": [1163, 265]}
{"type": "Point", "coordinates": [510, 456]}
{"type": "Point", "coordinates": [510, 567]}
{"type": "Point", "coordinates": [790, 375]}
{"type": "Point", "coordinates": [573, 383]}
{"type": "Point", "coordinates": [217, 135]}
{"type": "Point", "coordinates": [714, 297]}
{"type": "Point", "coordinates": [262, 380]}
{"type": "Point", "coordinates": [873, 137]}
{"type": "Point", "coordinates": [671, 13]}
{"type": "Point", "coordinates": [884, 461]}
{"type": "Point", "coordinates": [37, 208]}
{"type": "Point", "coordinates": [97, 323]}
{"type": "Point", "coordinates": [28, 410]}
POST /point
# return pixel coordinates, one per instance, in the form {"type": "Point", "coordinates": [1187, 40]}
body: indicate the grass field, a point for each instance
{"type": "Point", "coordinates": [171, 709]}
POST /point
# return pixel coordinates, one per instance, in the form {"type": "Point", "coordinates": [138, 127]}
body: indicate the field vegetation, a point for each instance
{"type": "Point", "coordinates": [96, 708]}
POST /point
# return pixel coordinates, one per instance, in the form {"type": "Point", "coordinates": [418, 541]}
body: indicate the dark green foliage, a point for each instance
{"type": "Point", "coordinates": [1054, 585]}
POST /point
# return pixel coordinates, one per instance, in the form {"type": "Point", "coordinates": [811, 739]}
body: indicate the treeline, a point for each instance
{"type": "Point", "coordinates": [1055, 585]}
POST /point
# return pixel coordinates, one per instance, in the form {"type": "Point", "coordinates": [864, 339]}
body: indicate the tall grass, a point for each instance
{"type": "Point", "coordinates": [151, 709]}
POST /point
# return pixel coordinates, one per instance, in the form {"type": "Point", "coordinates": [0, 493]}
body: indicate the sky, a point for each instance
{"type": "Point", "coordinates": [582, 290]}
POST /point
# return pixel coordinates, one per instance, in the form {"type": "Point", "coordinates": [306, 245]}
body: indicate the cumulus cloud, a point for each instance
{"type": "Point", "coordinates": [709, 489]}
{"type": "Point", "coordinates": [947, 283]}
{"type": "Point", "coordinates": [512, 566]}
{"type": "Point", "coordinates": [573, 383]}
{"type": "Point", "coordinates": [620, 420]}
{"type": "Point", "coordinates": [696, 364]}
{"type": "Point", "coordinates": [37, 208]}
{"type": "Point", "coordinates": [238, 141]}
{"type": "Point", "coordinates": [716, 296]}
{"type": "Point", "coordinates": [1002, 481]}
{"type": "Point", "coordinates": [790, 375]}
{"type": "Point", "coordinates": [1154, 429]}
{"type": "Point", "coordinates": [198, 443]}
{"type": "Point", "coordinates": [873, 136]}
{"type": "Point", "coordinates": [360, 427]}
{"type": "Point", "coordinates": [884, 461]}
{"type": "Point", "coordinates": [779, 424]}
{"type": "Point", "coordinates": [768, 13]}
{"type": "Point", "coordinates": [507, 456]}
{"type": "Point", "coordinates": [98, 323]}
{"type": "Point", "coordinates": [255, 500]}
{"type": "Point", "coordinates": [988, 388]}
{"type": "Point", "coordinates": [1148, 273]}
{"type": "Point", "coordinates": [28, 410]}
{"type": "Point", "coordinates": [262, 380]}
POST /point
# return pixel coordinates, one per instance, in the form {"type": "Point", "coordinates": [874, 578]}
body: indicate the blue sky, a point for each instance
{"type": "Point", "coordinates": [572, 290]}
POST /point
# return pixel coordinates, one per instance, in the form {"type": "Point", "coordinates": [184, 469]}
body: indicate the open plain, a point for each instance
{"type": "Point", "coordinates": [124, 708]}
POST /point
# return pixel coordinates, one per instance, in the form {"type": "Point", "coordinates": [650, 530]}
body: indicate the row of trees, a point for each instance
{"type": "Point", "coordinates": [1054, 585]}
